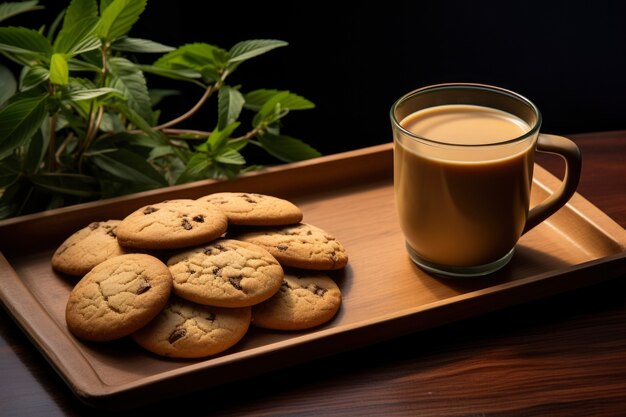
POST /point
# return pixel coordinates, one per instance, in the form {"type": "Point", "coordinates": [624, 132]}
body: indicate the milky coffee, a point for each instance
{"type": "Point", "coordinates": [463, 205]}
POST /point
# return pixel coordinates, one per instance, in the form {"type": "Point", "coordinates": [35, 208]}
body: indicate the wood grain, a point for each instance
{"type": "Point", "coordinates": [559, 356]}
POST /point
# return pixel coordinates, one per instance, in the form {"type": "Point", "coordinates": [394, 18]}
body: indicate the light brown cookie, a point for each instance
{"type": "Point", "coordinates": [255, 209]}
{"type": "Point", "coordinates": [300, 246]}
{"type": "Point", "coordinates": [87, 248]}
{"type": "Point", "coordinates": [188, 330]}
{"type": "Point", "coordinates": [226, 273]}
{"type": "Point", "coordinates": [171, 225]}
{"type": "Point", "coordinates": [118, 297]}
{"type": "Point", "coordinates": [305, 300]}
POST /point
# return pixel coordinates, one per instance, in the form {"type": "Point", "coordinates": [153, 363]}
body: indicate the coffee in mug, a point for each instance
{"type": "Point", "coordinates": [463, 167]}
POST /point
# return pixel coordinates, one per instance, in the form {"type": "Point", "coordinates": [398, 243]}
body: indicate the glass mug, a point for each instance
{"type": "Point", "coordinates": [463, 168]}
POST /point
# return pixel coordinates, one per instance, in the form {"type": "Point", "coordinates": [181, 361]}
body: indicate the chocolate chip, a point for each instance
{"type": "Point", "coordinates": [94, 225]}
{"type": "Point", "coordinates": [236, 282]}
{"type": "Point", "coordinates": [282, 247]}
{"type": "Point", "coordinates": [309, 233]}
{"type": "Point", "coordinates": [317, 290]}
{"type": "Point", "coordinates": [248, 198]}
{"type": "Point", "coordinates": [199, 218]}
{"type": "Point", "coordinates": [143, 286]}
{"type": "Point", "coordinates": [186, 224]}
{"type": "Point", "coordinates": [150, 209]}
{"type": "Point", "coordinates": [176, 334]}
{"type": "Point", "coordinates": [112, 232]}
{"type": "Point", "coordinates": [217, 271]}
{"type": "Point", "coordinates": [214, 249]}
{"type": "Point", "coordinates": [211, 317]}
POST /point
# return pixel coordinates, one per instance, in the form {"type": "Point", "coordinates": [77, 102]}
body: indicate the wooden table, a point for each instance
{"type": "Point", "coordinates": [565, 355]}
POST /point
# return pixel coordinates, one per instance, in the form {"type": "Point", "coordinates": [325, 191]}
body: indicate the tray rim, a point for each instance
{"type": "Point", "coordinates": [68, 370]}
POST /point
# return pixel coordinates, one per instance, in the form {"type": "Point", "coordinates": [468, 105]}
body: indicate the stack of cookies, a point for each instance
{"type": "Point", "coordinates": [186, 278]}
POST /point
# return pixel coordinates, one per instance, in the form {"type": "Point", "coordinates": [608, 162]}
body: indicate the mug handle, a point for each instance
{"type": "Point", "coordinates": [568, 150]}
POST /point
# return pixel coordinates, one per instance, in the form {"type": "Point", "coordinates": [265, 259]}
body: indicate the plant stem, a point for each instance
{"type": "Point", "coordinates": [51, 142]}
{"type": "Point", "coordinates": [62, 147]}
{"type": "Point", "coordinates": [207, 93]}
{"type": "Point", "coordinates": [251, 134]}
{"type": "Point", "coordinates": [180, 132]}
{"type": "Point", "coordinates": [94, 120]}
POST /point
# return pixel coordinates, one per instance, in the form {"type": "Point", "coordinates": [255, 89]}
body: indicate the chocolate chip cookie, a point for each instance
{"type": "Point", "coordinates": [255, 209]}
{"type": "Point", "coordinates": [226, 273]}
{"type": "Point", "coordinates": [171, 225]}
{"type": "Point", "coordinates": [300, 246]}
{"type": "Point", "coordinates": [87, 247]}
{"type": "Point", "coordinates": [118, 297]}
{"type": "Point", "coordinates": [188, 330]}
{"type": "Point", "coordinates": [305, 300]}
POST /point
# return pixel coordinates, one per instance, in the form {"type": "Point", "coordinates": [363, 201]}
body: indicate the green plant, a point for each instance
{"type": "Point", "coordinates": [79, 123]}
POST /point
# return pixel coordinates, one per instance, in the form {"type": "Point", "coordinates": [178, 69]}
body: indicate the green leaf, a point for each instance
{"type": "Point", "coordinates": [78, 10]}
{"type": "Point", "coordinates": [128, 79]}
{"type": "Point", "coordinates": [36, 151]}
{"type": "Point", "coordinates": [8, 86]}
{"type": "Point", "coordinates": [24, 42]}
{"type": "Point", "coordinates": [269, 113]}
{"type": "Point", "coordinates": [175, 74]}
{"type": "Point", "coordinates": [147, 141]}
{"type": "Point", "coordinates": [236, 144]}
{"type": "Point", "coordinates": [230, 156]}
{"type": "Point", "coordinates": [93, 57]}
{"type": "Point", "coordinates": [226, 170]}
{"type": "Point", "coordinates": [229, 104]}
{"type": "Point", "coordinates": [19, 121]}
{"type": "Point", "coordinates": [88, 94]}
{"type": "Point", "coordinates": [78, 38]}
{"type": "Point", "coordinates": [248, 49]}
{"type": "Point", "coordinates": [10, 9]}
{"type": "Point", "coordinates": [127, 166]}
{"type": "Point", "coordinates": [286, 148]}
{"type": "Point", "coordinates": [78, 32]}
{"type": "Point", "coordinates": [79, 65]}
{"type": "Point", "coordinates": [272, 105]}
{"type": "Point", "coordinates": [111, 122]}
{"type": "Point", "coordinates": [160, 151]}
{"type": "Point", "coordinates": [138, 45]}
{"type": "Point", "coordinates": [119, 17]}
{"type": "Point", "coordinates": [204, 58]}
{"type": "Point", "coordinates": [288, 100]}
{"type": "Point", "coordinates": [134, 118]}
{"type": "Point", "coordinates": [33, 76]}
{"type": "Point", "coordinates": [104, 4]}
{"type": "Point", "coordinates": [65, 183]}
{"type": "Point", "coordinates": [196, 168]}
{"type": "Point", "coordinates": [219, 137]}
{"type": "Point", "coordinates": [193, 56]}
{"type": "Point", "coordinates": [59, 73]}
{"type": "Point", "coordinates": [158, 94]}
{"type": "Point", "coordinates": [10, 172]}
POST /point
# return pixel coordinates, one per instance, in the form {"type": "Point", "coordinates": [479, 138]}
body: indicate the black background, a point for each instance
{"type": "Point", "coordinates": [354, 61]}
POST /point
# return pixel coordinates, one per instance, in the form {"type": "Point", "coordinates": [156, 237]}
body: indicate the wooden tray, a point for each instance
{"type": "Point", "coordinates": [385, 295]}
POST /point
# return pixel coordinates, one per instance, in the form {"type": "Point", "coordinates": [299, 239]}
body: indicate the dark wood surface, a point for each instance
{"type": "Point", "coordinates": [565, 355]}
